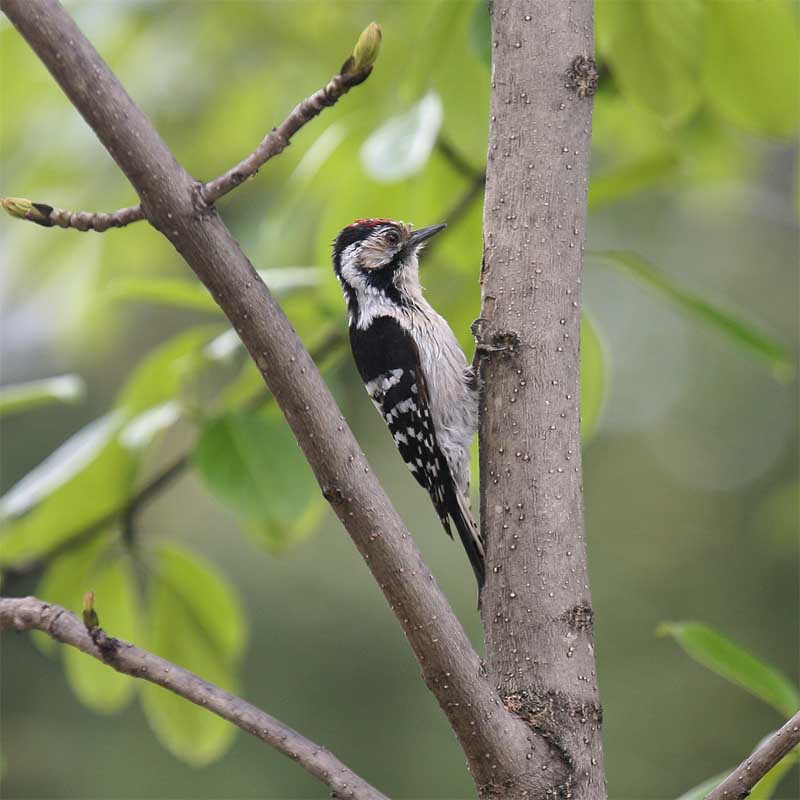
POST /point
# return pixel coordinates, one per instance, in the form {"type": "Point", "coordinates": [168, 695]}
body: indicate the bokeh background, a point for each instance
{"type": "Point", "coordinates": [691, 427]}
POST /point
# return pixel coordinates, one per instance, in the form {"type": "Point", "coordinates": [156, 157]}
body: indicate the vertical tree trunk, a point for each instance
{"type": "Point", "coordinates": [537, 607]}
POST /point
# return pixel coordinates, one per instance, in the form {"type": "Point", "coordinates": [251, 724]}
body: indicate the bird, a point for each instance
{"type": "Point", "coordinates": [412, 366]}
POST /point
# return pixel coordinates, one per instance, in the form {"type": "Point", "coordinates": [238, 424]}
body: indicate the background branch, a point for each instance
{"type": "Point", "coordinates": [30, 613]}
{"type": "Point", "coordinates": [497, 743]}
{"type": "Point", "coordinates": [743, 779]}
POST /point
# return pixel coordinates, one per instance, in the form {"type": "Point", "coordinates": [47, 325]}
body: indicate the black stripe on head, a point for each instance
{"type": "Point", "coordinates": [358, 231]}
{"type": "Point", "coordinates": [380, 279]}
{"type": "Point", "coordinates": [349, 235]}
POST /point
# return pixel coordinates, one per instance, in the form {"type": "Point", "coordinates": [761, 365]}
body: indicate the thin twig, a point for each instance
{"type": "Point", "coordinates": [274, 143]}
{"type": "Point", "coordinates": [278, 139]}
{"type": "Point", "coordinates": [30, 613]}
{"type": "Point", "coordinates": [460, 208]}
{"type": "Point", "coordinates": [741, 781]}
{"type": "Point", "coordinates": [456, 160]}
{"type": "Point", "coordinates": [96, 221]}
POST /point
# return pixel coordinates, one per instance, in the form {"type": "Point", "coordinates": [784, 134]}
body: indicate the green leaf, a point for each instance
{"type": "Point", "coordinates": [195, 621]}
{"type": "Point", "coordinates": [67, 579]}
{"type": "Point", "coordinates": [627, 179]}
{"type": "Point", "coordinates": [210, 597]}
{"type": "Point", "coordinates": [84, 481]}
{"type": "Point", "coordinates": [162, 291]}
{"type": "Point", "coordinates": [737, 329]}
{"type": "Point", "coordinates": [750, 71]}
{"type": "Point", "coordinates": [763, 790]}
{"type": "Point", "coordinates": [96, 566]}
{"type": "Point", "coordinates": [92, 475]}
{"type": "Point", "coordinates": [192, 295]}
{"type": "Point", "coordinates": [593, 378]}
{"type": "Point", "coordinates": [32, 394]}
{"type": "Point", "coordinates": [700, 791]}
{"type": "Point", "coordinates": [96, 684]}
{"type": "Point", "coordinates": [728, 659]}
{"type": "Point", "coordinates": [163, 373]}
{"type": "Point", "coordinates": [768, 785]}
{"type": "Point", "coordinates": [252, 463]}
{"type": "Point", "coordinates": [402, 146]}
{"type": "Point", "coordinates": [654, 52]}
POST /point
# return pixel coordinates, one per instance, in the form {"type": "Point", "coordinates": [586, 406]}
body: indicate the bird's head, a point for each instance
{"type": "Point", "coordinates": [379, 256]}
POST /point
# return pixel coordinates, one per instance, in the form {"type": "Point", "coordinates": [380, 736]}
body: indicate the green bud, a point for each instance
{"type": "Point", "coordinates": [367, 47]}
{"type": "Point", "coordinates": [90, 618]}
{"type": "Point", "coordinates": [23, 208]}
{"type": "Point", "coordinates": [17, 206]}
{"type": "Point", "coordinates": [365, 52]}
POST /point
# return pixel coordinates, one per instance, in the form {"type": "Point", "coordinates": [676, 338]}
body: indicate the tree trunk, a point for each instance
{"type": "Point", "coordinates": [536, 607]}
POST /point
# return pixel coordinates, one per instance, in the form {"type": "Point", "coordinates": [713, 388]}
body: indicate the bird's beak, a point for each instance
{"type": "Point", "coordinates": [423, 234]}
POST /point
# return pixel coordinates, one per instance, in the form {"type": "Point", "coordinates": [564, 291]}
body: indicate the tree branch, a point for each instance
{"type": "Point", "coordinates": [536, 607]}
{"type": "Point", "coordinates": [456, 160]}
{"type": "Point", "coordinates": [30, 613]}
{"type": "Point", "coordinates": [743, 779]}
{"type": "Point", "coordinates": [48, 217]}
{"type": "Point", "coordinates": [278, 139]}
{"type": "Point", "coordinates": [497, 743]}
{"type": "Point", "coordinates": [274, 143]}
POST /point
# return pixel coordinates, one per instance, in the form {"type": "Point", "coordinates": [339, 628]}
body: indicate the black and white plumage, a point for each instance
{"type": "Point", "coordinates": [412, 366]}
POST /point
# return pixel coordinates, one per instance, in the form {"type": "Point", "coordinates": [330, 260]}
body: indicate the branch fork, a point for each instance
{"type": "Point", "coordinates": [355, 70]}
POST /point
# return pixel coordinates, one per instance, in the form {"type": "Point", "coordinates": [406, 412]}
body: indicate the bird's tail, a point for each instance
{"type": "Point", "coordinates": [470, 535]}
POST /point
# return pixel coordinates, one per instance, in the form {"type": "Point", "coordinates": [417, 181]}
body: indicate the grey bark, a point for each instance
{"type": "Point", "coordinates": [537, 608]}
{"type": "Point", "coordinates": [499, 746]}
{"type": "Point", "coordinates": [29, 613]}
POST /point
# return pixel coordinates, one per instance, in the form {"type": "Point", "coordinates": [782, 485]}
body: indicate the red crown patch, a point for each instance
{"type": "Point", "coordinates": [373, 223]}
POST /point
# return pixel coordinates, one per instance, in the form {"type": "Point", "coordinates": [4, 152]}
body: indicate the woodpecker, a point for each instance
{"type": "Point", "coordinates": [412, 366]}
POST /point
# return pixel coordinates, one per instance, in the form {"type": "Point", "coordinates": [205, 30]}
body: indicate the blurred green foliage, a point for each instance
{"type": "Point", "coordinates": [713, 650]}
{"type": "Point", "coordinates": [695, 128]}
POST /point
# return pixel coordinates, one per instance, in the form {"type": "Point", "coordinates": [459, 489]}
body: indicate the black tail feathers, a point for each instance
{"type": "Point", "coordinates": [470, 536]}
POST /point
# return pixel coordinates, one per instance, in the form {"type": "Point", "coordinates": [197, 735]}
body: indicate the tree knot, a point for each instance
{"type": "Point", "coordinates": [496, 341]}
{"type": "Point", "coordinates": [333, 494]}
{"type": "Point", "coordinates": [579, 617]}
{"type": "Point", "coordinates": [582, 76]}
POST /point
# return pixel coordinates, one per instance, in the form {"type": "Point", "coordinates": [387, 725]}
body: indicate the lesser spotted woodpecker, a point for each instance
{"type": "Point", "coordinates": [413, 368]}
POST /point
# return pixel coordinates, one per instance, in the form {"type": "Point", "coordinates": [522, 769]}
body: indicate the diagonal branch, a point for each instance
{"type": "Point", "coordinates": [498, 744]}
{"type": "Point", "coordinates": [274, 143]}
{"type": "Point", "coordinates": [30, 613]}
{"type": "Point", "coordinates": [743, 779]}
{"type": "Point", "coordinates": [278, 139]}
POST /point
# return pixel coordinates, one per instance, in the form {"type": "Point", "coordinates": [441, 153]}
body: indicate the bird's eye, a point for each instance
{"type": "Point", "coordinates": [391, 237]}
